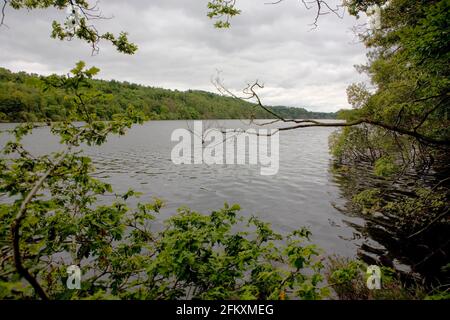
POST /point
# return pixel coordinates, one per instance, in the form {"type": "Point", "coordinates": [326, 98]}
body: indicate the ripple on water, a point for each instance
{"type": "Point", "coordinates": [300, 194]}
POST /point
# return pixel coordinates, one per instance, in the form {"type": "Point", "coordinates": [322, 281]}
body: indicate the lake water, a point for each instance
{"type": "Point", "coordinates": [303, 193]}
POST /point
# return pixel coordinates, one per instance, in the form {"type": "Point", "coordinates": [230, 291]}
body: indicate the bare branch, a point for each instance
{"type": "Point", "coordinates": [250, 93]}
{"type": "Point", "coordinates": [2, 20]}
{"type": "Point", "coordinates": [322, 8]}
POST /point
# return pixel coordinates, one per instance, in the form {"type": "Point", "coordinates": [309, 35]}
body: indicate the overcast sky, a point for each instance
{"type": "Point", "coordinates": [180, 49]}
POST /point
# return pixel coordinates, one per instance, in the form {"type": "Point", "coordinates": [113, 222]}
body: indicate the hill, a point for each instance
{"type": "Point", "coordinates": [22, 99]}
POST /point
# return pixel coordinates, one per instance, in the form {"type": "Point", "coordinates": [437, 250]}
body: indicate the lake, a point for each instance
{"type": "Point", "coordinates": [304, 192]}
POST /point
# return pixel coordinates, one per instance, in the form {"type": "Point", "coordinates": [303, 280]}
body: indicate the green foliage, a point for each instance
{"type": "Point", "coordinates": [195, 256]}
{"type": "Point", "coordinates": [408, 67]}
{"type": "Point", "coordinates": [78, 26]}
{"type": "Point", "coordinates": [421, 212]}
{"type": "Point", "coordinates": [348, 279]}
{"type": "Point", "coordinates": [199, 256]}
{"type": "Point", "coordinates": [445, 295]}
{"type": "Point", "coordinates": [358, 95]}
{"type": "Point", "coordinates": [223, 11]}
{"type": "Point", "coordinates": [385, 166]}
{"type": "Point", "coordinates": [300, 113]}
{"type": "Point", "coordinates": [361, 144]}
{"type": "Point", "coordinates": [418, 208]}
{"type": "Point", "coordinates": [368, 200]}
{"type": "Point", "coordinates": [22, 99]}
{"type": "Point", "coordinates": [405, 213]}
{"type": "Point", "coordinates": [394, 174]}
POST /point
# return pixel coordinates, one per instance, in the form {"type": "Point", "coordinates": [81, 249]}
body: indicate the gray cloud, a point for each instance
{"type": "Point", "coordinates": [180, 49]}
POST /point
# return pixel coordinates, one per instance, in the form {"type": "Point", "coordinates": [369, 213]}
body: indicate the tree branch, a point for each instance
{"type": "Point", "coordinates": [386, 126]}
{"type": "Point", "coordinates": [439, 217]}
{"type": "Point", "coordinates": [15, 229]}
{"type": "Point", "coordinates": [320, 5]}
{"type": "Point", "coordinates": [250, 93]}
{"type": "Point", "coordinates": [2, 20]}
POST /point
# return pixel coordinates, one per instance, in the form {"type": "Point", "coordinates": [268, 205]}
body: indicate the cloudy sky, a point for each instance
{"type": "Point", "coordinates": [180, 49]}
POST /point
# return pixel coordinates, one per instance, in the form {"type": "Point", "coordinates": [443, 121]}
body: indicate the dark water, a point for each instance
{"type": "Point", "coordinates": [303, 193]}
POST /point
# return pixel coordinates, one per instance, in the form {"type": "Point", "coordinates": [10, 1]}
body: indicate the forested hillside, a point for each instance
{"type": "Point", "coordinates": [23, 98]}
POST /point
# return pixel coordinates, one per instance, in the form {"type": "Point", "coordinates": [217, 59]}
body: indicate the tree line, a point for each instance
{"type": "Point", "coordinates": [27, 97]}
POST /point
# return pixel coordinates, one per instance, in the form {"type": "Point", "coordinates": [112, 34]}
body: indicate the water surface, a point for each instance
{"type": "Point", "coordinates": [303, 193]}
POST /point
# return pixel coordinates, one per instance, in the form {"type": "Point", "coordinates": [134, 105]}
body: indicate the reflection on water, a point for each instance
{"type": "Point", "coordinates": [305, 192]}
{"type": "Point", "coordinates": [391, 239]}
